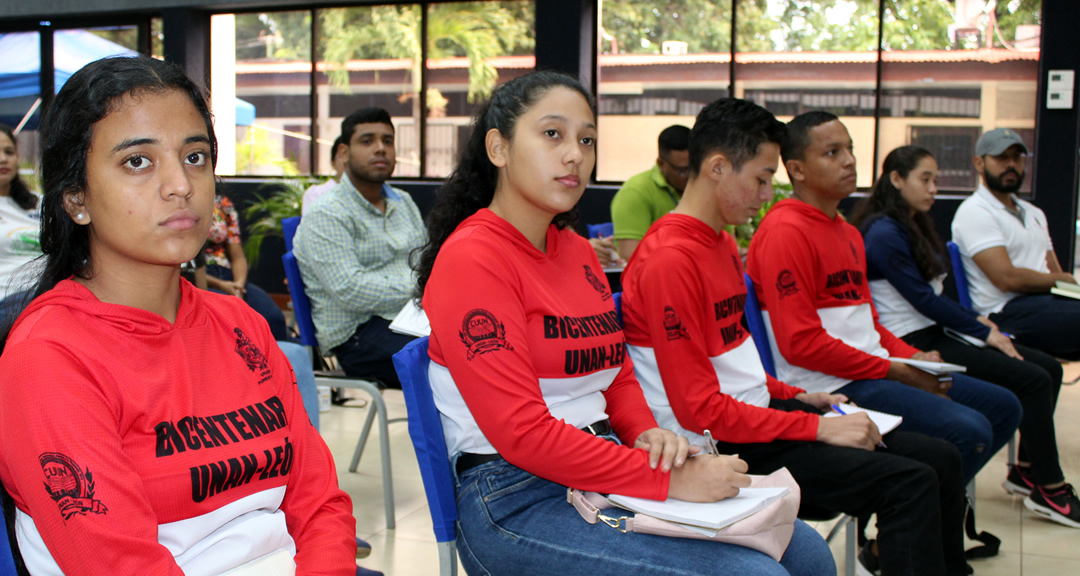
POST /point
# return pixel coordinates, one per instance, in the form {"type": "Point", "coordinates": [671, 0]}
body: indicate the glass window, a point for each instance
{"type": "Point", "coordinates": [656, 68]}
{"type": "Point", "coordinates": [261, 92]}
{"type": "Point", "coordinates": [949, 75]}
{"type": "Point", "coordinates": [369, 56]}
{"type": "Point", "coordinates": [157, 39]}
{"type": "Point", "coordinates": [802, 55]}
{"type": "Point", "coordinates": [20, 91]}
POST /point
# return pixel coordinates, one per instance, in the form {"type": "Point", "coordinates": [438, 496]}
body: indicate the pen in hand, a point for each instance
{"type": "Point", "coordinates": [710, 444]}
{"type": "Point", "coordinates": [836, 408]}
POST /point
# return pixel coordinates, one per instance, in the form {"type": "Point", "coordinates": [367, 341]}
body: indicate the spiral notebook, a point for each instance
{"type": "Point", "coordinates": [885, 422]}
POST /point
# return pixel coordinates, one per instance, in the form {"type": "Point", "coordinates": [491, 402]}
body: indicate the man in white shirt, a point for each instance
{"type": "Point", "coordinates": [1008, 257]}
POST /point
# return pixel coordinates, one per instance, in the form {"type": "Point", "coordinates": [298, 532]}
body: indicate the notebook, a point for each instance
{"type": "Point", "coordinates": [885, 422]}
{"type": "Point", "coordinates": [708, 517]}
{"type": "Point", "coordinates": [411, 321]}
{"type": "Point", "coordinates": [936, 368]}
{"type": "Point", "coordinates": [1066, 289]}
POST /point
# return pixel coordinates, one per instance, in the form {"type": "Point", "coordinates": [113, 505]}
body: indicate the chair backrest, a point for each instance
{"type": "Point", "coordinates": [300, 303]}
{"type": "Point", "coordinates": [617, 299]}
{"type": "Point", "coordinates": [758, 331]}
{"type": "Point", "coordinates": [604, 230]}
{"type": "Point", "coordinates": [288, 230]}
{"type": "Point", "coordinates": [425, 429]}
{"type": "Point", "coordinates": [959, 276]}
{"type": "Point", "coordinates": [7, 560]}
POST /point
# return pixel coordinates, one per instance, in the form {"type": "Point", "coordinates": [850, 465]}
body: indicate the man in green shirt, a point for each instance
{"type": "Point", "coordinates": [645, 197]}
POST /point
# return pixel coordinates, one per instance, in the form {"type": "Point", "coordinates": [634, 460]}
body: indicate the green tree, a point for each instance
{"type": "Point", "coordinates": [641, 26]}
{"type": "Point", "coordinates": [478, 31]}
{"type": "Point", "coordinates": [274, 36]}
{"type": "Point", "coordinates": [1016, 13]}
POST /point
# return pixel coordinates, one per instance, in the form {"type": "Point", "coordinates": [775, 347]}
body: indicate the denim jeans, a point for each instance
{"type": "Point", "coordinates": [511, 522]}
{"type": "Point", "coordinates": [369, 352]}
{"type": "Point", "coordinates": [1043, 321]}
{"type": "Point", "coordinates": [979, 418]}
{"type": "Point", "coordinates": [1036, 381]}
{"type": "Point", "coordinates": [305, 378]}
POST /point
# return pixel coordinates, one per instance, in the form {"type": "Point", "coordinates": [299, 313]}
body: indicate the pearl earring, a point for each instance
{"type": "Point", "coordinates": [79, 216]}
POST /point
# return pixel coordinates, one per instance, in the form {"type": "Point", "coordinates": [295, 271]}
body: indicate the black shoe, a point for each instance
{"type": "Point", "coordinates": [1018, 481]}
{"type": "Point", "coordinates": [1059, 505]}
{"type": "Point", "coordinates": [867, 564]}
{"type": "Point", "coordinates": [363, 549]}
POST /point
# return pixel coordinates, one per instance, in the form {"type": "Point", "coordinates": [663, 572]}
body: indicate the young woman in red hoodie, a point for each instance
{"type": "Point", "coordinates": [153, 424]}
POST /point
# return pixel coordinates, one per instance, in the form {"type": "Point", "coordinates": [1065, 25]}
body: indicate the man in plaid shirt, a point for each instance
{"type": "Point", "coordinates": [353, 248]}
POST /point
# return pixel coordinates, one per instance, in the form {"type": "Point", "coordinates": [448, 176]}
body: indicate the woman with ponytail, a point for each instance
{"type": "Point", "coordinates": [906, 264]}
{"type": "Point", "coordinates": [529, 369]}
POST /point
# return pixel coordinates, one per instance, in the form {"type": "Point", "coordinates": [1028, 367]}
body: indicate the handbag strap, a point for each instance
{"type": "Point", "coordinates": [583, 503]}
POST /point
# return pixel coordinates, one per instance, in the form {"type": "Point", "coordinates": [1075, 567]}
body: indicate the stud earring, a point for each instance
{"type": "Point", "coordinates": [79, 216]}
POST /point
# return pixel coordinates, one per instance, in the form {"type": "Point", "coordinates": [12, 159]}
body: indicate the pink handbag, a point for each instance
{"type": "Point", "coordinates": [768, 530]}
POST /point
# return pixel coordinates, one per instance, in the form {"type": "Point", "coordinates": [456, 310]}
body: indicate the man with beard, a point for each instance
{"type": "Point", "coordinates": [353, 248]}
{"type": "Point", "coordinates": [1008, 258]}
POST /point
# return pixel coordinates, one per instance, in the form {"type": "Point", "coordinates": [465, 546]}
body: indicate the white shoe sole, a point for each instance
{"type": "Point", "coordinates": [1049, 513]}
{"type": "Point", "coordinates": [1016, 489]}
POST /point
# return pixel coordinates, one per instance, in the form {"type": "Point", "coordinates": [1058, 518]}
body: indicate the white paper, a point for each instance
{"type": "Point", "coordinates": [931, 367]}
{"type": "Point", "coordinates": [885, 422]}
{"type": "Point", "coordinates": [709, 515]}
{"type": "Point", "coordinates": [411, 321]}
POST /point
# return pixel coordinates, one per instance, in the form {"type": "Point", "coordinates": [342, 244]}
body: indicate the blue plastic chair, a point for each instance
{"type": "Point", "coordinates": [959, 276]}
{"type": "Point", "coordinates": [425, 429]}
{"type": "Point", "coordinates": [604, 230]}
{"type": "Point", "coordinates": [288, 230]}
{"type": "Point", "coordinates": [306, 327]}
{"type": "Point", "coordinates": [756, 322]}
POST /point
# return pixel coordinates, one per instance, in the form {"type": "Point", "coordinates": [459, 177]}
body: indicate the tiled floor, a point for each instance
{"type": "Point", "coordinates": [1030, 546]}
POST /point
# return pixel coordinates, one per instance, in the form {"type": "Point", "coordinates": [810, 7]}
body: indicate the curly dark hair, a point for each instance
{"type": "Point", "coordinates": [885, 200]}
{"type": "Point", "coordinates": [66, 130]}
{"type": "Point", "coordinates": [472, 184]}
{"type": "Point", "coordinates": [20, 193]}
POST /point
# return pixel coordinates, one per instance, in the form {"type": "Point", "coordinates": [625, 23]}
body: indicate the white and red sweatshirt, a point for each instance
{"type": "Point", "coordinates": [683, 299]}
{"type": "Point", "coordinates": [526, 349]}
{"type": "Point", "coordinates": [809, 271]}
{"type": "Point", "coordinates": [135, 446]}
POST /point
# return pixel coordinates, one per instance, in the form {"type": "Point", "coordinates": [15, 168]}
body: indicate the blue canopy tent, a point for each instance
{"type": "Point", "coordinates": [20, 71]}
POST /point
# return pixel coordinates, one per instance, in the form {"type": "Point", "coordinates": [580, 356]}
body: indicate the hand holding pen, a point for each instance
{"type": "Point", "coordinates": [855, 430]}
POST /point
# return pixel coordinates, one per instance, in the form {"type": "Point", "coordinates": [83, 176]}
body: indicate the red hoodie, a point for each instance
{"type": "Point", "coordinates": [526, 349]}
{"type": "Point", "coordinates": [683, 299]}
{"type": "Point", "coordinates": [135, 446]}
{"type": "Point", "coordinates": [809, 271]}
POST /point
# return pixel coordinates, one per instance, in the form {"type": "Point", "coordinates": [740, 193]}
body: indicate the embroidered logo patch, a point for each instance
{"type": "Point", "coordinates": [481, 332]}
{"type": "Point", "coordinates": [69, 486]}
{"type": "Point", "coordinates": [785, 283]}
{"type": "Point", "coordinates": [597, 285]}
{"type": "Point", "coordinates": [673, 325]}
{"type": "Point", "coordinates": [252, 356]}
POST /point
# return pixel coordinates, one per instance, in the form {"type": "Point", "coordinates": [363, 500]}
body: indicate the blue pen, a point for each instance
{"type": "Point", "coordinates": [840, 411]}
{"type": "Point", "coordinates": [1009, 336]}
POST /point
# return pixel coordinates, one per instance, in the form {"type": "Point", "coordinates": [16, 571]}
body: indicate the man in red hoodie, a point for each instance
{"type": "Point", "coordinates": [809, 270]}
{"type": "Point", "coordinates": [683, 312]}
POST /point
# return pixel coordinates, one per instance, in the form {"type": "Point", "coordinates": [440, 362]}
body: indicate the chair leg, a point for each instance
{"type": "Point", "coordinates": [970, 490]}
{"type": "Point", "coordinates": [364, 432]}
{"type": "Point", "coordinates": [378, 408]}
{"type": "Point", "coordinates": [1012, 450]}
{"type": "Point", "coordinates": [448, 558]}
{"type": "Point", "coordinates": [851, 547]}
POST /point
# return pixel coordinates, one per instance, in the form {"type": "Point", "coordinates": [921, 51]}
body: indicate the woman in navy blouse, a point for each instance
{"type": "Point", "coordinates": [906, 264]}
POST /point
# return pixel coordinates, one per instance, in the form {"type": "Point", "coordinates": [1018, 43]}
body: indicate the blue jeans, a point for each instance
{"type": "Point", "coordinates": [305, 378]}
{"type": "Point", "coordinates": [980, 419]}
{"type": "Point", "coordinates": [512, 522]}
{"type": "Point", "coordinates": [1045, 322]}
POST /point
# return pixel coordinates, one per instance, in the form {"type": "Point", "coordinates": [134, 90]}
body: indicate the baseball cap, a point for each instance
{"type": "Point", "coordinates": [997, 141]}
